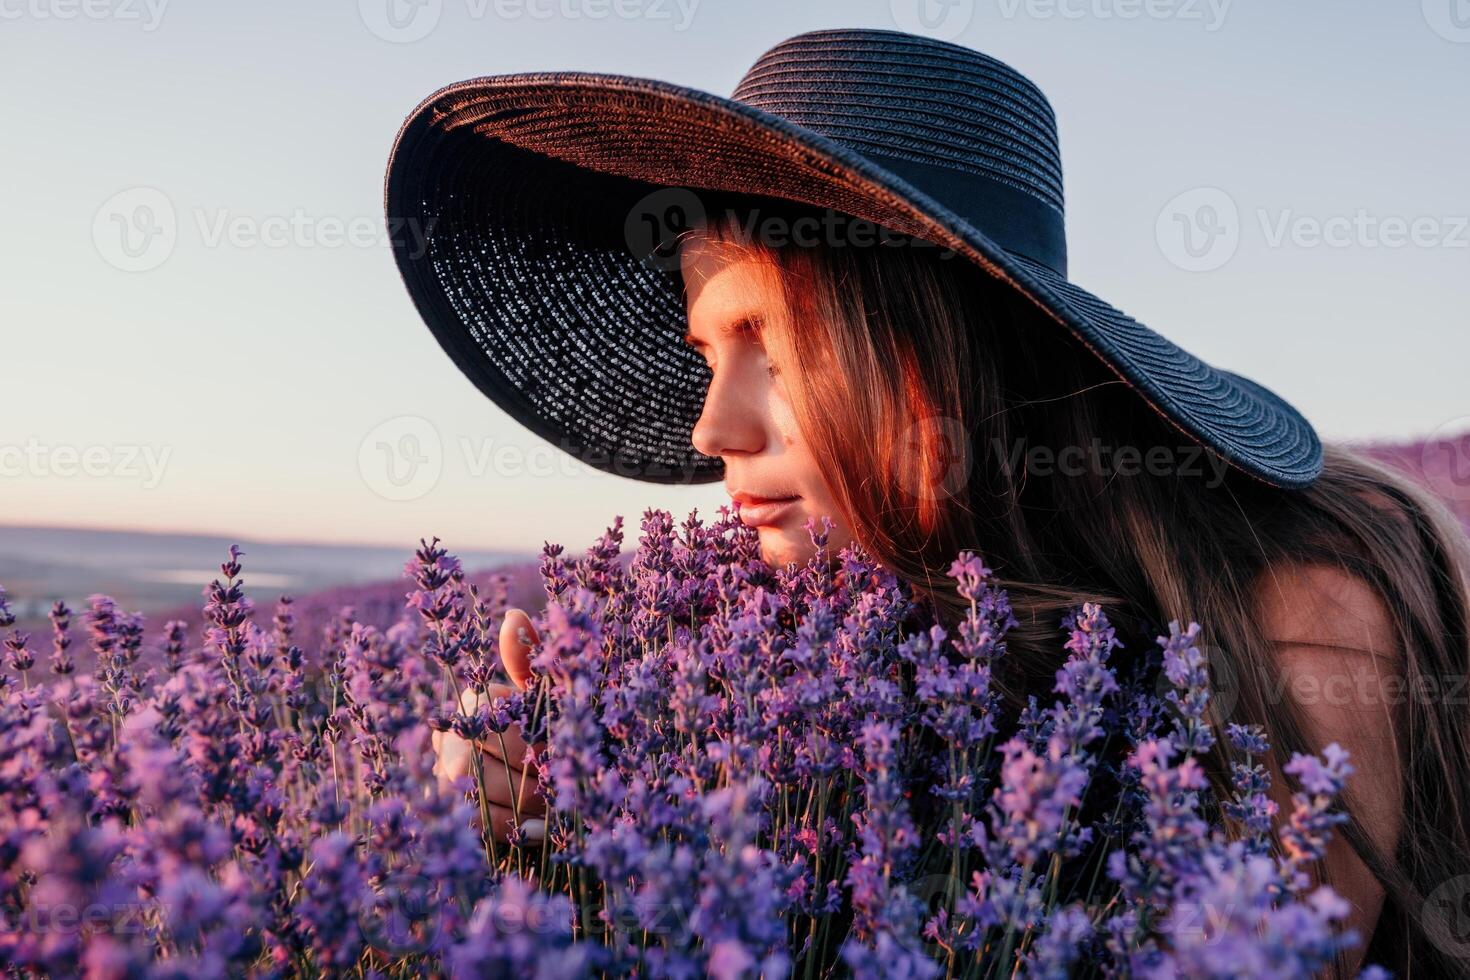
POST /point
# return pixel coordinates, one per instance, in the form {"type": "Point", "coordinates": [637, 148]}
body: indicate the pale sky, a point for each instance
{"type": "Point", "coordinates": [238, 381]}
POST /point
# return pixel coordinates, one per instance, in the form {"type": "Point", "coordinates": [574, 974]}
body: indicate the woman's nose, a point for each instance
{"type": "Point", "coordinates": [730, 422]}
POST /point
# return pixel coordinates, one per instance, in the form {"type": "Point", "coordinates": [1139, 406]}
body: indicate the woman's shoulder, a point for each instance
{"type": "Point", "coordinates": [1323, 606]}
{"type": "Point", "coordinates": [1337, 656]}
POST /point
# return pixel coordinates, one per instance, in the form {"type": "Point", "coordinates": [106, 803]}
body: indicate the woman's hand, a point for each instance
{"type": "Point", "coordinates": [510, 781]}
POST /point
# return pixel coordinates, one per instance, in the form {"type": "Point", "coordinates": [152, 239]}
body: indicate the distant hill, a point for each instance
{"type": "Point", "coordinates": [149, 572]}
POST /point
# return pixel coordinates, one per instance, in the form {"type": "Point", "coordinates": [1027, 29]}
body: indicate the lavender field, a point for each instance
{"type": "Point", "coordinates": [1442, 465]}
{"type": "Point", "coordinates": [744, 771]}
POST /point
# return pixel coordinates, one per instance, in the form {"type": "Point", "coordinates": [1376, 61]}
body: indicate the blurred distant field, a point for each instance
{"type": "Point", "coordinates": [152, 573]}
{"type": "Point", "coordinates": [162, 575]}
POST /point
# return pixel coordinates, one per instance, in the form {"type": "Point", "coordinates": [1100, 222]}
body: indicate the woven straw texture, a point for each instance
{"type": "Point", "coordinates": [528, 192]}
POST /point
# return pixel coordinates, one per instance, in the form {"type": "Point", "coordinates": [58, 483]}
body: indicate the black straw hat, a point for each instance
{"type": "Point", "coordinates": [542, 205]}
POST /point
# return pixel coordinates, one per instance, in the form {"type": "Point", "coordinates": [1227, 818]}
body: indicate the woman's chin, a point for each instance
{"type": "Point", "coordinates": [780, 545]}
{"type": "Point", "coordinates": [789, 540]}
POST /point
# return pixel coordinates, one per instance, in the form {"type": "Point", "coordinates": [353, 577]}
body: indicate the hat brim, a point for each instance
{"type": "Point", "coordinates": [508, 200]}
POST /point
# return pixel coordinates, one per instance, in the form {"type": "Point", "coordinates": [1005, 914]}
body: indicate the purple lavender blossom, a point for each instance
{"type": "Point", "coordinates": [749, 771]}
{"type": "Point", "coordinates": [1187, 669]}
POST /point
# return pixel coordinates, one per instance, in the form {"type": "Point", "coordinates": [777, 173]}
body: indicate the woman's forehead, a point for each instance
{"type": "Point", "coordinates": [704, 257]}
{"type": "Point", "coordinates": [723, 285]}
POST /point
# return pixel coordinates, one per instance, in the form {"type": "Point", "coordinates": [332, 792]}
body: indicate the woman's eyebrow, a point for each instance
{"type": "Point", "coordinates": [750, 323]}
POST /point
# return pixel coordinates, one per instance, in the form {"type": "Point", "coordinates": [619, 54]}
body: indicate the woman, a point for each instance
{"type": "Point", "coordinates": [928, 400]}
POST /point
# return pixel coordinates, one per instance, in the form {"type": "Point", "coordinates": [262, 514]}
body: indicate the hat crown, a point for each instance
{"type": "Point", "coordinates": [894, 96]}
{"type": "Point", "coordinates": [536, 275]}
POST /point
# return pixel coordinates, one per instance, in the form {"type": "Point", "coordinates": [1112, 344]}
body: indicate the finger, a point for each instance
{"type": "Point", "coordinates": [513, 788]}
{"type": "Point", "coordinates": [503, 783]}
{"type": "Point", "coordinates": [518, 640]}
{"type": "Point", "coordinates": [471, 699]}
{"type": "Point", "coordinates": [455, 772]}
{"type": "Point", "coordinates": [513, 750]}
{"type": "Point", "coordinates": [532, 806]}
{"type": "Point", "coordinates": [451, 758]}
{"type": "Point", "coordinates": [503, 821]}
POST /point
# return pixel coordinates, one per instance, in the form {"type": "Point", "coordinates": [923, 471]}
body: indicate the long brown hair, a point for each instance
{"type": "Point", "coordinates": [941, 402]}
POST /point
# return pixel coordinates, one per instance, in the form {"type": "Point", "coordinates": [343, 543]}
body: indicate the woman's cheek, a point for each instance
{"type": "Point", "coordinates": [783, 417]}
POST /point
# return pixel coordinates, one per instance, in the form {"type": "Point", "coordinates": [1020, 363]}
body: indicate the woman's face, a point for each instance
{"type": "Point", "coordinates": [747, 420]}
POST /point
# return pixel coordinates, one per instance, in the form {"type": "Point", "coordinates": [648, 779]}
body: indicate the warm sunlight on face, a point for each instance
{"type": "Point", "coordinates": [747, 419]}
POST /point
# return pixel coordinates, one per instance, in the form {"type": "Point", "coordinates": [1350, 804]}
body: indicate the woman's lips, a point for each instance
{"type": "Point", "coordinates": [755, 512]}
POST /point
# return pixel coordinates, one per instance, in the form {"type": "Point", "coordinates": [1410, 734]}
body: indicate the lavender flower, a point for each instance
{"type": "Point", "coordinates": [1187, 669]}
{"type": "Point", "coordinates": [747, 771]}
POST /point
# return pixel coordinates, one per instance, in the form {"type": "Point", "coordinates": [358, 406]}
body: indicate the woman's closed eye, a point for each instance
{"type": "Point", "coordinates": [745, 329]}
{"type": "Point", "coordinates": [772, 370]}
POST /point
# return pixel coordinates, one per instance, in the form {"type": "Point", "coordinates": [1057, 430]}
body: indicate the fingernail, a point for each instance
{"type": "Point", "coordinates": [534, 830]}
